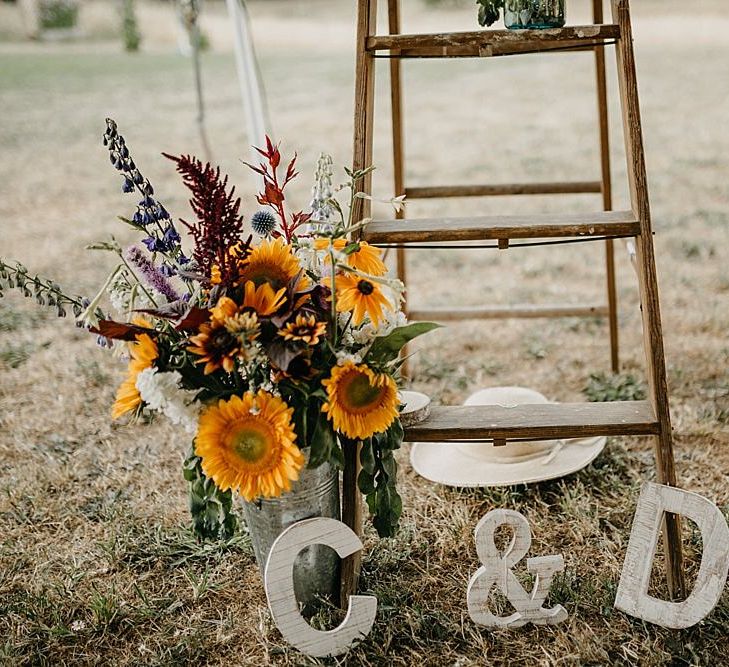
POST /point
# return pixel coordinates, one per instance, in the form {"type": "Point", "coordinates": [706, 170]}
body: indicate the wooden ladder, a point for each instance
{"type": "Point", "coordinates": [602, 187]}
{"type": "Point", "coordinates": [544, 422]}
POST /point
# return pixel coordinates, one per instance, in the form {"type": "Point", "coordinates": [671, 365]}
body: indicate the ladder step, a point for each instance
{"type": "Point", "coordinates": [603, 223]}
{"type": "Point", "coordinates": [557, 188]}
{"type": "Point", "coordinates": [521, 311]}
{"type": "Point", "coordinates": [547, 421]}
{"type": "Point", "coordinates": [492, 42]}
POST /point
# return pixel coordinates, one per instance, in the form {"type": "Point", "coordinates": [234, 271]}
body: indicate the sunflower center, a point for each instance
{"type": "Point", "coordinates": [268, 273]}
{"type": "Point", "coordinates": [365, 287]}
{"type": "Point", "coordinates": [360, 393]}
{"type": "Point", "coordinates": [250, 444]}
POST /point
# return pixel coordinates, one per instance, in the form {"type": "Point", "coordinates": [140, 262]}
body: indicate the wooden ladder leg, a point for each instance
{"type": "Point", "coordinates": [652, 330]}
{"type": "Point", "coordinates": [398, 147]}
{"type": "Point", "coordinates": [607, 191]}
{"type": "Point", "coordinates": [364, 105]}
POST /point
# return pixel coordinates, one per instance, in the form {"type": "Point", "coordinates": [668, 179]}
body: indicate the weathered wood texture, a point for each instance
{"type": "Point", "coordinates": [534, 422]}
{"type": "Point", "coordinates": [351, 517]}
{"type": "Point", "coordinates": [524, 311]}
{"type": "Point", "coordinates": [416, 408]}
{"type": "Point", "coordinates": [503, 189]}
{"type": "Point", "coordinates": [606, 190]}
{"type": "Point", "coordinates": [485, 39]}
{"type": "Point", "coordinates": [648, 282]}
{"type": "Point", "coordinates": [492, 50]}
{"type": "Point", "coordinates": [496, 572]}
{"type": "Point", "coordinates": [602, 223]}
{"type": "Point", "coordinates": [364, 104]}
{"type": "Point", "coordinates": [279, 584]}
{"type": "Point", "coordinates": [632, 596]}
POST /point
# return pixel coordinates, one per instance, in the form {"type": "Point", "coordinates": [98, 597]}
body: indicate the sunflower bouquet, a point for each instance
{"type": "Point", "coordinates": [275, 350]}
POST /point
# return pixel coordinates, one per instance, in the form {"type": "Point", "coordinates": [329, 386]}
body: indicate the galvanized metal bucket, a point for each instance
{"type": "Point", "coordinates": [316, 571]}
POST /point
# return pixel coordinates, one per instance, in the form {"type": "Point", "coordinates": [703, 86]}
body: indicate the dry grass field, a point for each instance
{"type": "Point", "coordinates": [97, 565]}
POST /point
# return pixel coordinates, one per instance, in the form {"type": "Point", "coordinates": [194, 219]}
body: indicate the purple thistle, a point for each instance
{"type": "Point", "coordinates": [150, 273]}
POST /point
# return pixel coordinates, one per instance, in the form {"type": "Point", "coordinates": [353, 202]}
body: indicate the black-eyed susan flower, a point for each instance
{"type": "Point", "coordinates": [360, 402]}
{"type": "Point", "coordinates": [143, 352]}
{"type": "Point", "coordinates": [304, 328]}
{"type": "Point", "coordinates": [247, 444]}
{"type": "Point", "coordinates": [361, 297]}
{"type": "Point", "coordinates": [365, 258]}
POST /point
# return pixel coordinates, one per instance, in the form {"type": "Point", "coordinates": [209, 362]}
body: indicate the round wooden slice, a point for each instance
{"type": "Point", "coordinates": [416, 407]}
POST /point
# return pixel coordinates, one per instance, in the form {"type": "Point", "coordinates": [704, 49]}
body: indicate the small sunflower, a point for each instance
{"type": "Point", "coordinates": [263, 299]}
{"type": "Point", "coordinates": [144, 352]}
{"type": "Point", "coordinates": [361, 297]}
{"type": "Point", "coordinates": [247, 444]}
{"type": "Point", "coordinates": [273, 262]}
{"type": "Point", "coordinates": [305, 329]}
{"type": "Point", "coordinates": [360, 401]}
{"type": "Point", "coordinates": [365, 258]}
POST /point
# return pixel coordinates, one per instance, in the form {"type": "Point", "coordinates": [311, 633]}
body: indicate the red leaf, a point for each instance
{"type": "Point", "coordinates": [274, 195]}
{"type": "Point", "coordinates": [120, 330]}
{"type": "Point", "coordinates": [193, 319]}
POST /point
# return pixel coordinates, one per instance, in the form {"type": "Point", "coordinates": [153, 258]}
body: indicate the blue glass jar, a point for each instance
{"type": "Point", "coordinates": [521, 14]}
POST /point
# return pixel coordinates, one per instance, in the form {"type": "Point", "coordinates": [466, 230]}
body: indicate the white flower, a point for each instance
{"type": "Point", "coordinates": [368, 332]}
{"type": "Point", "coordinates": [344, 357]}
{"type": "Point", "coordinates": [162, 393]}
{"type": "Point", "coordinates": [77, 626]}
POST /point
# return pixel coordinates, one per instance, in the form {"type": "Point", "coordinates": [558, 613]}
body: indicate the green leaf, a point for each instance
{"type": "Point", "coordinates": [388, 347]}
{"type": "Point", "coordinates": [337, 456]}
{"type": "Point", "coordinates": [367, 457]}
{"type": "Point", "coordinates": [323, 442]}
{"type": "Point", "coordinates": [366, 482]}
{"type": "Point", "coordinates": [389, 467]}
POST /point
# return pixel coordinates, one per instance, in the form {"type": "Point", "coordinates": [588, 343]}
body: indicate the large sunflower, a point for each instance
{"type": "Point", "coordinates": [263, 299]}
{"type": "Point", "coordinates": [360, 401]}
{"type": "Point", "coordinates": [143, 352]}
{"type": "Point", "coordinates": [365, 258]}
{"type": "Point", "coordinates": [361, 297]}
{"type": "Point", "coordinates": [273, 262]}
{"type": "Point", "coordinates": [247, 444]}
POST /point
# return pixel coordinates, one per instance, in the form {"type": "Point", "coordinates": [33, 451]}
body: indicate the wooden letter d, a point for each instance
{"type": "Point", "coordinates": [632, 596]}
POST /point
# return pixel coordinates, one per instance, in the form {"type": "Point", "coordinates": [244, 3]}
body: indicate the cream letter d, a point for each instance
{"type": "Point", "coordinates": [632, 596]}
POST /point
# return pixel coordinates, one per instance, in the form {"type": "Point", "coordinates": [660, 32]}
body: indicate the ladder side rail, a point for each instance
{"type": "Point", "coordinates": [607, 192]}
{"type": "Point", "coordinates": [364, 102]}
{"type": "Point", "coordinates": [647, 279]}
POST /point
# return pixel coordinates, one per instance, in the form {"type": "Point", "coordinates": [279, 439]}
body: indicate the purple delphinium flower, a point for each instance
{"type": "Point", "coordinates": [150, 273]}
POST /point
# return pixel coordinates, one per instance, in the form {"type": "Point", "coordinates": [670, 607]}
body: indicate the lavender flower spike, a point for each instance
{"type": "Point", "coordinates": [150, 273]}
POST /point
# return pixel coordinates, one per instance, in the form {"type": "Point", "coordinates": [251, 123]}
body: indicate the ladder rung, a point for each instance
{"type": "Point", "coordinates": [534, 422]}
{"type": "Point", "coordinates": [603, 223]}
{"type": "Point", "coordinates": [488, 42]}
{"type": "Point", "coordinates": [505, 49]}
{"type": "Point", "coordinates": [557, 188]}
{"type": "Point", "coordinates": [522, 311]}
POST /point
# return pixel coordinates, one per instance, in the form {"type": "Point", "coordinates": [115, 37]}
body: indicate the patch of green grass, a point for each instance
{"type": "Point", "coordinates": [90, 369]}
{"type": "Point", "coordinates": [14, 355]}
{"type": "Point", "coordinates": [603, 387]}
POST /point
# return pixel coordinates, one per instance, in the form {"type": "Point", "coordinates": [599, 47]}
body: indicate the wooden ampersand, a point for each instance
{"type": "Point", "coordinates": [279, 582]}
{"type": "Point", "coordinates": [496, 571]}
